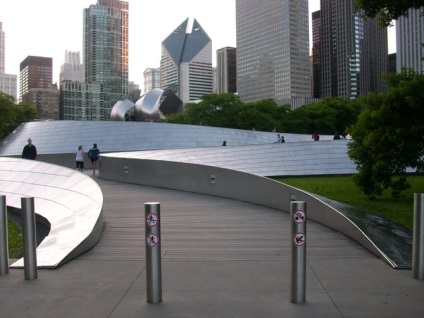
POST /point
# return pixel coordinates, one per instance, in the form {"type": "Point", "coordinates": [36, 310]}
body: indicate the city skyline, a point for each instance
{"type": "Point", "coordinates": [50, 28]}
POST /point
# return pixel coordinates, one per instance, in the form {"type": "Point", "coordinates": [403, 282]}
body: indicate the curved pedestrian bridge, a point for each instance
{"type": "Point", "coordinates": [191, 160]}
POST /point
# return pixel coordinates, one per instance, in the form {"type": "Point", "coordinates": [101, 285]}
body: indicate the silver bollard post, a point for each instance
{"type": "Point", "coordinates": [418, 237]}
{"type": "Point", "coordinates": [4, 246]}
{"type": "Point", "coordinates": [153, 253]}
{"type": "Point", "coordinates": [29, 238]}
{"type": "Point", "coordinates": [298, 251]}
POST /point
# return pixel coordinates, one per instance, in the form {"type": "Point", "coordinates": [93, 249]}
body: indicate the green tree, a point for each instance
{"type": "Point", "coordinates": [263, 115]}
{"type": "Point", "coordinates": [330, 115]}
{"type": "Point", "coordinates": [226, 110]}
{"type": "Point", "coordinates": [218, 110]}
{"type": "Point", "coordinates": [389, 135]}
{"type": "Point", "coordinates": [12, 115]}
{"type": "Point", "coordinates": [387, 10]}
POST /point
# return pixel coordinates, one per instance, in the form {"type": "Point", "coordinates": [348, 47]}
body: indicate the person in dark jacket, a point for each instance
{"type": "Point", "coordinates": [29, 151]}
{"type": "Point", "coordinates": [94, 154]}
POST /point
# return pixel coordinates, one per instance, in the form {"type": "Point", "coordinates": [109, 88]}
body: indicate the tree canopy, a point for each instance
{"type": "Point", "coordinates": [327, 116]}
{"type": "Point", "coordinates": [12, 115]}
{"type": "Point", "coordinates": [387, 10]}
{"type": "Point", "coordinates": [388, 138]}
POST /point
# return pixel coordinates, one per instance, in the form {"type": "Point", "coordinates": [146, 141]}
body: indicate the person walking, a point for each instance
{"type": "Point", "coordinates": [94, 154]}
{"type": "Point", "coordinates": [29, 151]}
{"type": "Point", "coordinates": [79, 159]}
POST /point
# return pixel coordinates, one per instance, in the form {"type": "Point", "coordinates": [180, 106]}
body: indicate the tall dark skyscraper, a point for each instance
{"type": "Point", "coordinates": [272, 50]}
{"type": "Point", "coordinates": [105, 53]}
{"type": "Point", "coordinates": [316, 54]}
{"type": "Point", "coordinates": [353, 52]}
{"type": "Point", "coordinates": [35, 72]}
{"type": "Point", "coordinates": [226, 70]}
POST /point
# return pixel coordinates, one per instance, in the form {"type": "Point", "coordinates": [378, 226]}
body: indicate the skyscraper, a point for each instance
{"type": "Point", "coordinates": [71, 70]}
{"type": "Point", "coordinates": [35, 72]}
{"type": "Point", "coordinates": [226, 70]}
{"type": "Point", "coordinates": [354, 52]}
{"type": "Point", "coordinates": [374, 58]}
{"type": "Point", "coordinates": [409, 39]}
{"type": "Point", "coordinates": [272, 50]}
{"type": "Point", "coordinates": [45, 101]}
{"type": "Point", "coordinates": [2, 49]}
{"type": "Point", "coordinates": [151, 79]}
{"type": "Point", "coordinates": [186, 63]}
{"type": "Point", "coordinates": [8, 82]}
{"type": "Point", "coordinates": [105, 52]}
{"type": "Point", "coordinates": [316, 54]}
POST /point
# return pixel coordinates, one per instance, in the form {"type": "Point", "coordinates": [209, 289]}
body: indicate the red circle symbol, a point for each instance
{"type": "Point", "coordinates": [152, 219]}
{"type": "Point", "coordinates": [299, 217]}
{"type": "Point", "coordinates": [299, 239]}
{"type": "Point", "coordinates": [152, 239]}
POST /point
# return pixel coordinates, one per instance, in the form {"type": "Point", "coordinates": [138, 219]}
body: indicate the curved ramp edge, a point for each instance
{"type": "Point", "coordinates": [233, 184]}
{"type": "Point", "coordinates": [71, 201]}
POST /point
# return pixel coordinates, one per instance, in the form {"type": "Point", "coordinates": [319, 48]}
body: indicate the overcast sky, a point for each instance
{"type": "Point", "coordinates": [49, 27]}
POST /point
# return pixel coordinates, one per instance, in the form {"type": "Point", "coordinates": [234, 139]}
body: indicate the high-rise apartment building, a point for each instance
{"type": "Point", "coordinates": [186, 62]}
{"type": "Point", "coordinates": [35, 72]}
{"type": "Point", "coordinates": [272, 50]}
{"type": "Point", "coordinates": [79, 101]}
{"type": "Point", "coordinates": [353, 52]}
{"type": "Point", "coordinates": [151, 79]}
{"type": "Point", "coordinates": [409, 40]}
{"type": "Point", "coordinates": [71, 70]}
{"type": "Point", "coordinates": [9, 84]}
{"type": "Point", "coordinates": [226, 70]}
{"type": "Point", "coordinates": [45, 101]}
{"type": "Point", "coordinates": [105, 52]}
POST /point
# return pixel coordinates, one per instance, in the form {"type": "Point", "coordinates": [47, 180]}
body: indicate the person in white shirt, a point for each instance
{"type": "Point", "coordinates": [80, 158]}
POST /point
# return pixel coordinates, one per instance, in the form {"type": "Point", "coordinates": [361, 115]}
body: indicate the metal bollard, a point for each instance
{"type": "Point", "coordinates": [298, 251]}
{"type": "Point", "coordinates": [153, 253]}
{"type": "Point", "coordinates": [418, 237]}
{"type": "Point", "coordinates": [4, 246]}
{"type": "Point", "coordinates": [29, 237]}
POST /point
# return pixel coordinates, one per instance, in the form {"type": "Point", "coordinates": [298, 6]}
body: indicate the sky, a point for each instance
{"type": "Point", "coordinates": [50, 27]}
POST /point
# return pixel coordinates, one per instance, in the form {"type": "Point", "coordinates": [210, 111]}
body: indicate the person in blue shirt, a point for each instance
{"type": "Point", "coordinates": [94, 154]}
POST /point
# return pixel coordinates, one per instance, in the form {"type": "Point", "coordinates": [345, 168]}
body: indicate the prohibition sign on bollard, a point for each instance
{"type": "Point", "coordinates": [152, 239]}
{"type": "Point", "coordinates": [299, 217]}
{"type": "Point", "coordinates": [299, 239]}
{"type": "Point", "coordinates": [152, 219]}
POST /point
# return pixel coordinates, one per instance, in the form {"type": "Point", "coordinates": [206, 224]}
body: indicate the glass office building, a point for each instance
{"type": "Point", "coordinates": [409, 39]}
{"type": "Point", "coordinates": [272, 50]}
{"type": "Point", "coordinates": [353, 52]}
{"type": "Point", "coordinates": [106, 51]}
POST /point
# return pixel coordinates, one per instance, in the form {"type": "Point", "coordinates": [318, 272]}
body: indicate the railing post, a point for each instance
{"type": "Point", "coordinates": [418, 237]}
{"type": "Point", "coordinates": [4, 246]}
{"type": "Point", "coordinates": [298, 251]}
{"type": "Point", "coordinates": [153, 253]}
{"type": "Point", "coordinates": [29, 238]}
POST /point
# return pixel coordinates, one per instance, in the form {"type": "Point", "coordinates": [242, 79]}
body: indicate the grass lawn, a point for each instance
{"type": "Point", "coordinates": [15, 239]}
{"type": "Point", "coordinates": [343, 189]}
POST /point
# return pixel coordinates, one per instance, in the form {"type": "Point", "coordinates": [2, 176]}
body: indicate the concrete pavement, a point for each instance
{"type": "Point", "coordinates": [220, 258]}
